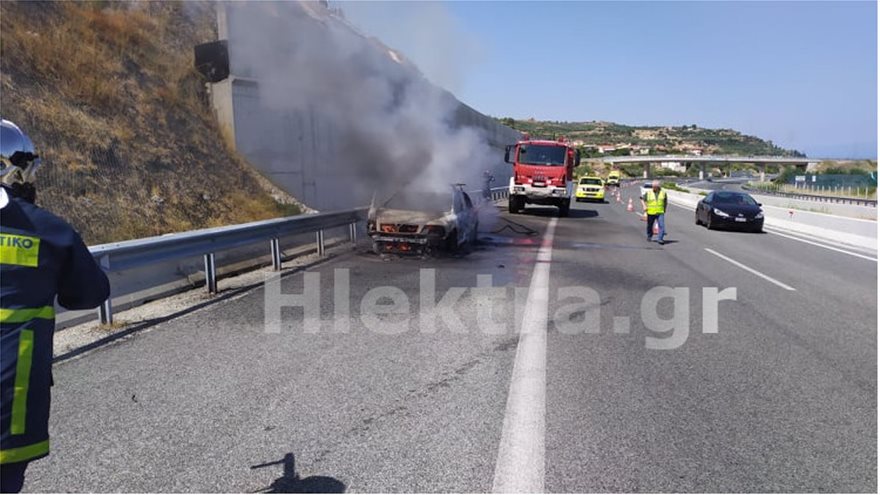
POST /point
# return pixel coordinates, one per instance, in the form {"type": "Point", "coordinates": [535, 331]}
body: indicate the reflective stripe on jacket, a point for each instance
{"type": "Point", "coordinates": [41, 257]}
{"type": "Point", "coordinates": [655, 204]}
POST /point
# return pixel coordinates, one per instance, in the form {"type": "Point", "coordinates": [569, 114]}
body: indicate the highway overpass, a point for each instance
{"type": "Point", "coordinates": [717, 160]}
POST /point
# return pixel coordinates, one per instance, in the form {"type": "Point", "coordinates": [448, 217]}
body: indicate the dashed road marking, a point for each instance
{"type": "Point", "coordinates": [751, 270]}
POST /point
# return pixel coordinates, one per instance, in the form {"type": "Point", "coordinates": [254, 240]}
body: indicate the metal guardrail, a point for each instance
{"type": "Point", "coordinates": [495, 193]}
{"type": "Point", "coordinates": [814, 197]}
{"type": "Point", "coordinates": [142, 252]}
{"type": "Point", "coordinates": [206, 242]}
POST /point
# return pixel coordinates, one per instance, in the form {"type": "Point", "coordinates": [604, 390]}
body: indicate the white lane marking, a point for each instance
{"type": "Point", "coordinates": [751, 270]}
{"type": "Point", "coordinates": [519, 467]}
{"type": "Point", "coordinates": [769, 231]}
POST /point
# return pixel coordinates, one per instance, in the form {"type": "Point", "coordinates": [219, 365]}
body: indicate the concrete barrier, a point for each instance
{"type": "Point", "coordinates": [852, 231]}
{"type": "Point", "coordinates": [863, 212]}
{"type": "Point", "coordinates": [834, 209]}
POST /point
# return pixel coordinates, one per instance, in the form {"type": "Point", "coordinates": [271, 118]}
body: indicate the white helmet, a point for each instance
{"type": "Point", "coordinates": [18, 159]}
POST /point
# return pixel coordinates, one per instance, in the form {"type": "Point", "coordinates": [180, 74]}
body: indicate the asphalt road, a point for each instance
{"type": "Point", "coordinates": [783, 397]}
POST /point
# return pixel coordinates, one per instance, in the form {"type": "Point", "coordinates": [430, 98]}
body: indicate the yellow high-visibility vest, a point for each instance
{"type": "Point", "coordinates": [655, 203]}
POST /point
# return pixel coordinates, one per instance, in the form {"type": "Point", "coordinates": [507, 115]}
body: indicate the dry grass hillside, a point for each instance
{"type": "Point", "coordinates": [108, 93]}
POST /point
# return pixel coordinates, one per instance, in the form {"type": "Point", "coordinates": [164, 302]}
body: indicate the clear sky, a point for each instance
{"type": "Point", "coordinates": [803, 74]}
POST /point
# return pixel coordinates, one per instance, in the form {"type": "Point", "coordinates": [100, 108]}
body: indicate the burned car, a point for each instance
{"type": "Point", "coordinates": [416, 222]}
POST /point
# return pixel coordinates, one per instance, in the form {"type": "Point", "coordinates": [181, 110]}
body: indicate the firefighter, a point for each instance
{"type": "Point", "coordinates": [41, 257]}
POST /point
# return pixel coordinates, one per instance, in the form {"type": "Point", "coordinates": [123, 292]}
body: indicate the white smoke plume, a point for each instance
{"type": "Point", "coordinates": [426, 31]}
{"type": "Point", "coordinates": [391, 127]}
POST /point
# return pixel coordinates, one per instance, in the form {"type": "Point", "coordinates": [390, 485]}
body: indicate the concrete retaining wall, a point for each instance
{"type": "Point", "coordinates": [306, 148]}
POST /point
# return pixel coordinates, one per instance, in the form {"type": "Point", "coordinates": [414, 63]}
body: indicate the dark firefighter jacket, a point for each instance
{"type": "Point", "coordinates": [41, 256]}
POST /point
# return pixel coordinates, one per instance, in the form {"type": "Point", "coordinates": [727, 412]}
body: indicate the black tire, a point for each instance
{"type": "Point", "coordinates": [709, 223]}
{"type": "Point", "coordinates": [697, 219]}
{"type": "Point", "coordinates": [563, 209]}
{"type": "Point", "coordinates": [517, 204]}
{"type": "Point", "coordinates": [451, 244]}
{"type": "Point", "coordinates": [511, 204]}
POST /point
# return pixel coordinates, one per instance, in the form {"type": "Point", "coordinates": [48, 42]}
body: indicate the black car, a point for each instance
{"type": "Point", "coordinates": [730, 209]}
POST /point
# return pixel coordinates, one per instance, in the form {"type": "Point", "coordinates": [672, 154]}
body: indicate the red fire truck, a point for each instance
{"type": "Point", "coordinates": [542, 173]}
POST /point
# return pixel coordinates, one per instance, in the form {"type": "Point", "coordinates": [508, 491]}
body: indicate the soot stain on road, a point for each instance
{"type": "Point", "coordinates": [599, 245]}
{"type": "Point", "coordinates": [507, 345]}
{"type": "Point", "coordinates": [447, 380]}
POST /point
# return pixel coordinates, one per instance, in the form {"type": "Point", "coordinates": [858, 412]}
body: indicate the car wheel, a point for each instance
{"type": "Point", "coordinates": [511, 204]}
{"type": "Point", "coordinates": [709, 222]}
{"type": "Point", "coordinates": [452, 242]}
{"type": "Point", "coordinates": [563, 209]}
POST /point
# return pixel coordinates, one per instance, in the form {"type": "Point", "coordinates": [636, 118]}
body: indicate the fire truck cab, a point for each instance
{"type": "Point", "coordinates": [542, 173]}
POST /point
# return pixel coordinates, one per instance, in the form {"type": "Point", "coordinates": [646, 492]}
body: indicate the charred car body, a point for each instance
{"type": "Point", "coordinates": [413, 222]}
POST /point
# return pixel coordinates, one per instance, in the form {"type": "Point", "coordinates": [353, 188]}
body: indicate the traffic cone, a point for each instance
{"type": "Point", "coordinates": [629, 205]}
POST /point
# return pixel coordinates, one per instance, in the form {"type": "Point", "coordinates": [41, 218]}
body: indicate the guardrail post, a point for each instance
{"type": "Point", "coordinates": [275, 247]}
{"type": "Point", "coordinates": [319, 239]}
{"type": "Point", "coordinates": [105, 313]}
{"type": "Point", "coordinates": [353, 233]}
{"type": "Point", "coordinates": [210, 273]}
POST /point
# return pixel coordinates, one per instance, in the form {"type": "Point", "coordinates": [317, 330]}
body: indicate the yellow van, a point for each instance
{"type": "Point", "coordinates": [614, 178]}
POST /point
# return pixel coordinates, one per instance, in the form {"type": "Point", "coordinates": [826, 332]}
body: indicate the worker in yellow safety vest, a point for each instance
{"type": "Point", "coordinates": [41, 258]}
{"type": "Point", "coordinates": [654, 205]}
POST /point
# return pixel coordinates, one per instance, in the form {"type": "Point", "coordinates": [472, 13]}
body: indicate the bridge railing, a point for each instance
{"type": "Point", "coordinates": [709, 159]}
